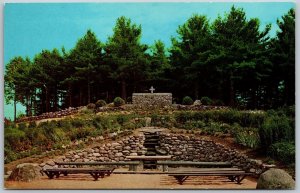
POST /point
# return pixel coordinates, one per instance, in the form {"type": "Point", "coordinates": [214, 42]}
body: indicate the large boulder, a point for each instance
{"type": "Point", "coordinates": [26, 172]}
{"type": "Point", "coordinates": [275, 179]}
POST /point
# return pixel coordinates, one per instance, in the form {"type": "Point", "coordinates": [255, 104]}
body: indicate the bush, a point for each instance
{"type": "Point", "coordinates": [32, 124]}
{"type": "Point", "coordinates": [218, 102]}
{"type": "Point", "coordinates": [100, 103]}
{"type": "Point", "coordinates": [118, 101]}
{"type": "Point", "coordinates": [22, 126]}
{"type": "Point", "coordinates": [248, 138]}
{"type": "Point", "coordinates": [187, 100]}
{"type": "Point", "coordinates": [77, 122]}
{"type": "Point", "coordinates": [65, 124]}
{"type": "Point", "coordinates": [121, 119]}
{"type": "Point", "coordinates": [129, 100]}
{"type": "Point", "coordinates": [276, 129]}
{"type": "Point", "coordinates": [206, 100]}
{"type": "Point", "coordinates": [91, 106]}
{"type": "Point", "coordinates": [283, 151]}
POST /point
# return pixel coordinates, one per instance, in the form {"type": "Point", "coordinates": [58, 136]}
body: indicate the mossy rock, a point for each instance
{"type": "Point", "coordinates": [275, 179]}
{"type": "Point", "coordinates": [26, 172]}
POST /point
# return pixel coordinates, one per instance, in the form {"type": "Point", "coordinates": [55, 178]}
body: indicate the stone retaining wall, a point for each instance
{"type": "Point", "coordinates": [109, 152]}
{"type": "Point", "coordinates": [151, 100]}
{"type": "Point", "coordinates": [181, 147]}
{"type": "Point", "coordinates": [190, 148]}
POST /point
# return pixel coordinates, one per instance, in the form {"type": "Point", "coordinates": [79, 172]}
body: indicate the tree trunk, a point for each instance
{"type": "Point", "coordinates": [123, 93]}
{"type": "Point", "coordinates": [196, 90]}
{"type": "Point", "coordinates": [15, 109]}
{"type": "Point", "coordinates": [89, 90]}
{"type": "Point", "coordinates": [70, 95]}
{"type": "Point", "coordinates": [27, 106]}
{"type": "Point", "coordinates": [80, 97]}
{"type": "Point", "coordinates": [47, 100]}
{"type": "Point", "coordinates": [231, 91]}
{"type": "Point", "coordinates": [55, 100]}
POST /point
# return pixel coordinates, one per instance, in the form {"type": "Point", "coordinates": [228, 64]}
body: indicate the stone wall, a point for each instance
{"type": "Point", "coordinates": [151, 100]}
{"type": "Point", "coordinates": [181, 147]}
{"type": "Point", "coordinates": [109, 152]}
{"type": "Point", "coordinates": [190, 148]}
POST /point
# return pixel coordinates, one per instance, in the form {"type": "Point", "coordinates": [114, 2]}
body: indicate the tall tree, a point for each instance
{"type": "Point", "coordinates": [283, 58]}
{"type": "Point", "coordinates": [189, 53]}
{"type": "Point", "coordinates": [158, 65]}
{"type": "Point", "coordinates": [83, 61]}
{"type": "Point", "coordinates": [18, 83]}
{"type": "Point", "coordinates": [47, 72]}
{"type": "Point", "coordinates": [126, 55]}
{"type": "Point", "coordinates": [238, 52]}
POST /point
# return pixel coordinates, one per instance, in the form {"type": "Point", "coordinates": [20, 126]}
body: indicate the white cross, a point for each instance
{"type": "Point", "coordinates": [152, 89]}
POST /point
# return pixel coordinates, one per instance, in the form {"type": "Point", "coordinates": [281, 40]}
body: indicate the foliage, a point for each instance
{"type": "Point", "coordinates": [206, 100]}
{"type": "Point", "coordinates": [91, 106]}
{"type": "Point", "coordinates": [230, 116]}
{"type": "Point", "coordinates": [118, 101]}
{"type": "Point", "coordinates": [100, 103]}
{"type": "Point", "coordinates": [275, 129]}
{"type": "Point", "coordinates": [187, 100]}
{"type": "Point", "coordinates": [283, 151]}
{"type": "Point", "coordinates": [232, 57]}
{"type": "Point", "coordinates": [248, 138]}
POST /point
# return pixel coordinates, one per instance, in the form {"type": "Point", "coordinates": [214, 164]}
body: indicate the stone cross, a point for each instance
{"type": "Point", "coordinates": [152, 89]}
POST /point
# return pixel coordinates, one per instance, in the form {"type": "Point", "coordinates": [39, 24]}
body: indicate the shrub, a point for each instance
{"type": "Point", "coordinates": [218, 102]}
{"type": "Point", "coordinates": [118, 101]}
{"type": "Point", "coordinates": [32, 124]}
{"type": "Point", "coordinates": [283, 151]}
{"type": "Point", "coordinates": [187, 100]}
{"type": "Point", "coordinates": [22, 126]}
{"type": "Point", "coordinates": [129, 126]}
{"type": "Point", "coordinates": [91, 106]}
{"type": "Point", "coordinates": [121, 119]}
{"type": "Point", "coordinates": [65, 124]}
{"type": "Point", "coordinates": [100, 103]}
{"type": "Point", "coordinates": [77, 122]}
{"type": "Point", "coordinates": [206, 100]}
{"type": "Point", "coordinates": [248, 138]}
{"type": "Point", "coordinates": [276, 129]}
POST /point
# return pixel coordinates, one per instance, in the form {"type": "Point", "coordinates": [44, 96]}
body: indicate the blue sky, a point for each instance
{"type": "Point", "coordinates": [31, 27]}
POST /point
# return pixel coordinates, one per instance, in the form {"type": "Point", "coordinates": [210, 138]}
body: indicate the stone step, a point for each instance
{"type": "Point", "coordinates": [150, 144]}
{"type": "Point", "coordinates": [150, 153]}
{"type": "Point", "coordinates": [151, 140]}
{"type": "Point", "coordinates": [152, 136]}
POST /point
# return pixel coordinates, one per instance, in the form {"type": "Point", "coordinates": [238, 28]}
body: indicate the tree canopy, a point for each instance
{"type": "Point", "coordinates": [232, 60]}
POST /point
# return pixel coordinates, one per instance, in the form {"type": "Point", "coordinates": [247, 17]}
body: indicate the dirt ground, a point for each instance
{"type": "Point", "coordinates": [131, 181]}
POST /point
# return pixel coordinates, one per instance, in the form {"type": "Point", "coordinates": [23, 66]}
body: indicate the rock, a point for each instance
{"type": "Point", "coordinates": [76, 156]}
{"type": "Point", "coordinates": [96, 154]}
{"type": "Point", "coordinates": [147, 121]}
{"type": "Point", "coordinates": [89, 150]}
{"type": "Point", "coordinates": [133, 154]}
{"type": "Point", "coordinates": [115, 144]}
{"type": "Point", "coordinates": [197, 102]}
{"type": "Point", "coordinates": [26, 172]}
{"type": "Point", "coordinates": [119, 154]}
{"type": "Point", "coordinates": [50, 163]}
{"type": "Point", "coordinates": [86, 160]}
{"type": "Point", "coordinates": [160, 151]}
{"type": "Point", "coordinates": [177, 153]}
{"type": "Point", "coordinates": [100, 137]}
{"type": "Point", "coordinates": [252, 170]}
{"type": "Point", "coordinates": [112, 135]}
{"type": "Point", "coordinates": [127, 148]}
{"type": "Point", "coordinates": [275, 179]}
